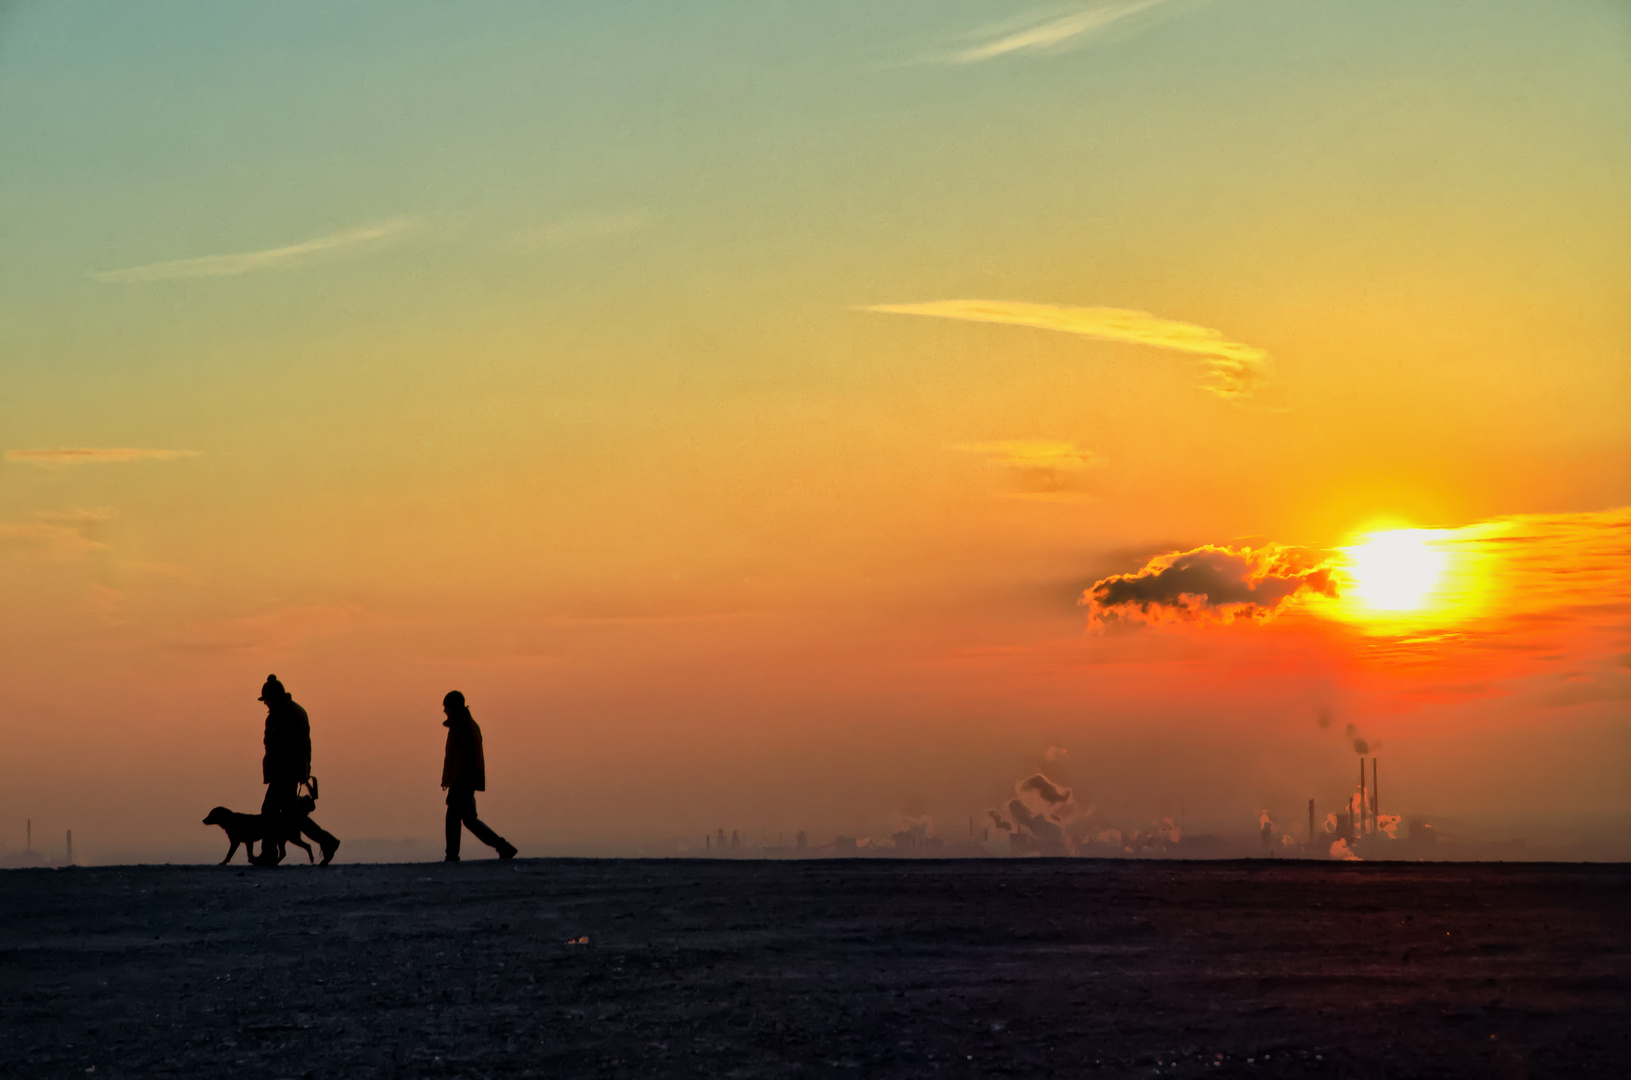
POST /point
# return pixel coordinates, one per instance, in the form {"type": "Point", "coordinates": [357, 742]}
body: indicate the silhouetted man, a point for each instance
{"type": "Point", "coordinates": [464, 772]}
{"type": "Point", "coordinates": [285, 767]}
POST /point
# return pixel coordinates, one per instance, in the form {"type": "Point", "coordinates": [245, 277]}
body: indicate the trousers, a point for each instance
{"type": "Point", "coordinates": [461, 811]}
{"type": "Point", "coordinates": [282, 798]}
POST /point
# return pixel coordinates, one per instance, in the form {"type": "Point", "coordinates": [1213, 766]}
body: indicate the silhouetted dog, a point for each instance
{"type": "Point", "coordinates": [248, 829]}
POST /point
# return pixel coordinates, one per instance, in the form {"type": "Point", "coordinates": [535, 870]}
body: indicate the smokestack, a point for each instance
{"type": "Point", "coordinates": [1310, 824]}
{"type": "Point", "coordinates": [1361, 797]}
{"type": "Point", "coordinates": [1375, 794]}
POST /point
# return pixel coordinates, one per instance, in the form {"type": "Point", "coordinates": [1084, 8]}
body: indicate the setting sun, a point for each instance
{"type": "Point", "coordinates": [1398, 570]}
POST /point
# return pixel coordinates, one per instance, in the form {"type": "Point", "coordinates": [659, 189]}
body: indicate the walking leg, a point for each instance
{"type": "Point", "coordinates": [275, 810]}
{"type": "Point", "coordinates": [455, 819]}
{"type": "Point", "coordinates": [325, 839]}
{"type": "Point", "coordinates": [485, 834]}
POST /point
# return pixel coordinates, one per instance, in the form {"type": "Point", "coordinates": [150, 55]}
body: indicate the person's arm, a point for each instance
{"type": "Point", "coordinates": [450, 757]}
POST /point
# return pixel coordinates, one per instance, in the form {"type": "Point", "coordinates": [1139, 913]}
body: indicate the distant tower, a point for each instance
{"type": "Point", "coordinates": [1362, 793]}
{"type": "Point", "coordinates": [1375, 797]}
{"type": "Point", "coordinates": [707, 842]}
{"type": "Point", "coordinates": [800, 841]}
{"type": "Point", "coordinates": [1310, 824]}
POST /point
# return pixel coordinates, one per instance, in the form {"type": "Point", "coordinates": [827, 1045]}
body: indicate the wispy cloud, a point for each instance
{"type": "Point", "coordinates": [56, 457]}
{"type": "Point", "coordinates": [61, 535]}
{"type": "Point", "coordinates": [283, 628]}
{"type": "Point", "coordinates": [1234, 369]}
{"type": "Point", "coordinates": [586, 227]}
{"type": "Point", "coordinates": [278, 258]}
{"type": "Point", "coordinates": [1052, 35]}
{"type": "Point", "coordinates": [1039, 468]}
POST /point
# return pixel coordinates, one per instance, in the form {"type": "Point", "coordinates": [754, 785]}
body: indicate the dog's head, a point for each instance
{"type": "Point", "coordinates": [218, 816]}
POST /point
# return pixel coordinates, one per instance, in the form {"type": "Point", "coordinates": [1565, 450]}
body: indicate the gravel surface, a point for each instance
{"type": "Point", "coordinates": [840, 968]}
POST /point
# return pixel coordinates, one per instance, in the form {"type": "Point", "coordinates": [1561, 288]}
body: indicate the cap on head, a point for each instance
{"type": "Point", "coordinates": [273, 690]}
{"type": "Point", "coordinates": [453, 700]}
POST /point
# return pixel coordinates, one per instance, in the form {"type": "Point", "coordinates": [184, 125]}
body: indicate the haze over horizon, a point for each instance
{"type": "Point", "coordinates": [816, 417]}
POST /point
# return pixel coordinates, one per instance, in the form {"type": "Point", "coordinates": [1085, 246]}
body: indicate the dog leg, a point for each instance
{"type": "Point", "coordinates": [231, 851]}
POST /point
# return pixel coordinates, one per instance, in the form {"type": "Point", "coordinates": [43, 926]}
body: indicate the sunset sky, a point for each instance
{"type": "Point", "coordinates": [815, 416]}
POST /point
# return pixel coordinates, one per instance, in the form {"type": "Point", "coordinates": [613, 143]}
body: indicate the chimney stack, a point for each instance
{"type": "Point", "coordinates": [1361, 830]}
{"type": "Point", "coordinates": [1310, 824]}
{"type": "Point", "coordinates": [1375, 797]}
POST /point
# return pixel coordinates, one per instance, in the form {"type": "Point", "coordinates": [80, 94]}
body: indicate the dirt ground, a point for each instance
{"type": "Point", "coordinates": [841, 968]}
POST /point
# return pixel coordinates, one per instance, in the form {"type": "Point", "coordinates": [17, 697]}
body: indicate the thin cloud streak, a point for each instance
{"type": "Point", "coordinates": [1035, 453]}
{"type": "Point", "coordinates": [268, 259]}
{"type": "Point", "coordinates": [1234, 369]}
{"type": "Point", "coordinates": [588, 227]}
{"type": "Point", "coordinates": [57, 457]}
{"type": "Point", "coordinates": [1046, 469]}
{"type": "Point", "coordinates": [61, 536]}
{"type": "Point", "coordinates": [1074, 28]}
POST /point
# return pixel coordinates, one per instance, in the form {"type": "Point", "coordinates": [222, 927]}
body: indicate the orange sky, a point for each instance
{"type": "Point", "coordinates": [736, 404]}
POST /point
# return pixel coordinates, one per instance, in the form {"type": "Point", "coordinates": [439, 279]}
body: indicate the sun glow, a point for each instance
{"type": "Point", "coordinates": [1412, 582]}
{"type": "Point", "coordinates": [1398, 571]}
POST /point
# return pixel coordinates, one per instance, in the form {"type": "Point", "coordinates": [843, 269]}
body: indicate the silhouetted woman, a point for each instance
{"type": "Point", "coordinates": [464, 772]}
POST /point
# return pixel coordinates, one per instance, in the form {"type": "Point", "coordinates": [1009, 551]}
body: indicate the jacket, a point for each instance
{"type": "Point", "coordinates": [288, 744]}
{"type": "Point", "coordinates": [463, 766]}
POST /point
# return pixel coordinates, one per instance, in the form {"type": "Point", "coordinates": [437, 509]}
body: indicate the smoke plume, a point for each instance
{"type": "Point", "coordinates": [1046, 836]}
{"type": "Point", "coordinates": [1049, 792]}
{"type": "Point", "coordinates": [1341, 850]}
{"type": "Point", "coordinates": [1362, 746]}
